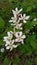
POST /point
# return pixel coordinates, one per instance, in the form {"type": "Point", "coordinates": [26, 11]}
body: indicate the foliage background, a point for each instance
{"type": "Point", "coordinates": [25, 54]}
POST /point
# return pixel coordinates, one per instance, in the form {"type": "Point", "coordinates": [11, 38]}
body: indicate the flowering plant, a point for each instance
{"type": "Point", "coordinates": [16, 37]}
{"type": "Point", "coordinates": [18, 32]}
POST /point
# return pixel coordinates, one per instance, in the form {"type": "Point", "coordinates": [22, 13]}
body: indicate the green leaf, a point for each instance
{"type": "Point", "coordinates": [2, 23]}
{"type": "Point", "coordinates": [29, 45]}
{"type": "Point", "coordinates": [6, 61]}
{"type": "Point", "coordinates": [15, 60]}
{"type": "Point", "coordinates": [29, 25]}
{"type": "Point", "coordinates": [1, 42]}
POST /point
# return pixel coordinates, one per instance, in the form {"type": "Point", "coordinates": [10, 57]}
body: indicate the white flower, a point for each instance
{"type": "Point", "coordinates": [13, 19]}
{"type": "Point", "coordinates": [5, 38]}
{"type": "Point", "coordinates": [9, 37]}
{"type": "Point", "coordinates": [16, 15]}
{"type": "Point", "coordinates": [34, 19]}
{"type": "Point", "coordinates": [16, 23]}
{"type": "Point", "coordinates": [2, 49]}
{"type": "Point", "coordinates": [18, 26]}
{"type": "Point", "coordinates": [16, 11]}
{"type": "Point", "coordinates": [10, 45]}
{"type": "Point", "coordinates": [24, 18]}
{"type": "Point", "coordinates": [19, 37]}
{"type": "Point", "coordinates": [10, 34]}
{"type": "Point", "coordinates": [10, 20]}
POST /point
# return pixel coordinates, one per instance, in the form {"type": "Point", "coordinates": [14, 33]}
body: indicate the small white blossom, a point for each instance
{"type": "Point", "coordinates": [9, 42]}
{"type": "Point", "coordinates": [10, 34]}
{"type": "Point", "coordinates": [16, 11]}
{"type": "Point", "coordinates": [15, 23]}
{"type": "Point", "coordinates": [18, 25]}
{"type": "Point", "coordinates": [34, 25]}
{"type": "Point", "coordinates": [33, 32]}
{"type": "Point", "coordinates": [24, 18]}
{"type": "Point", "coordinates": [10, 20]}
{"type": "Point", "coordinates": [13, 19]}
{"type": "Point", "coordinates": [16, 14]}
{"type": "Point", "coordinates": [9, 37]}
{"type": "Point", "coordinates": [34, 19]}
{"type": "Point", "coordinates": [10, 45]}
{"type": "Point", "coordinates": [19, 37]}
{"type": "Point", "coordinates": [5, 38]}
{"type": "Point", "coordinates": [2, 49]}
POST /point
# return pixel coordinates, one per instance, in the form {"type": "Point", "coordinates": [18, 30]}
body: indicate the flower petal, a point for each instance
{"type": "Point", "coordinates": [20, 33]}
{"type": "Point", "coordinates": [16, 40]}
{"type": "Point", "coordinates": [10, 20]}
{"type": "Point", "coordinates": [11, 48]}
{"type": "Point", "coordinates": [7, 47]}
{"type": "Point", "coordinates": [7, 42]}
{"type": "Point", "coordinates": [15, 46]}
{"type": "Point", "coordinates": [19, 10]}
{"type": "Point", "coordinates": [24, 15]}
{"type": "Point", "coordinates": [16, 9]}
{"type": "Point", "coordinates": [24, 21]}
{"type": "Point", "coordinates": [12, 41]}
{"type": "Point", "coordinates": [5, 38]}
{"type": "Point", "coordinates": [14, 13]}
{"type": "Point", "coordinates": [20, 24]}
{"type": "Point", "coordinates": [22, 42]}
{"type": "Point", "coordinates": [23, 36]}
{"type": "Point", "coordinates": [27, 17]}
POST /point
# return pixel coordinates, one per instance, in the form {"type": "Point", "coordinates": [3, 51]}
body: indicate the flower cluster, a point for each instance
{"type": "Point", "coordinates": [14, 38]}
